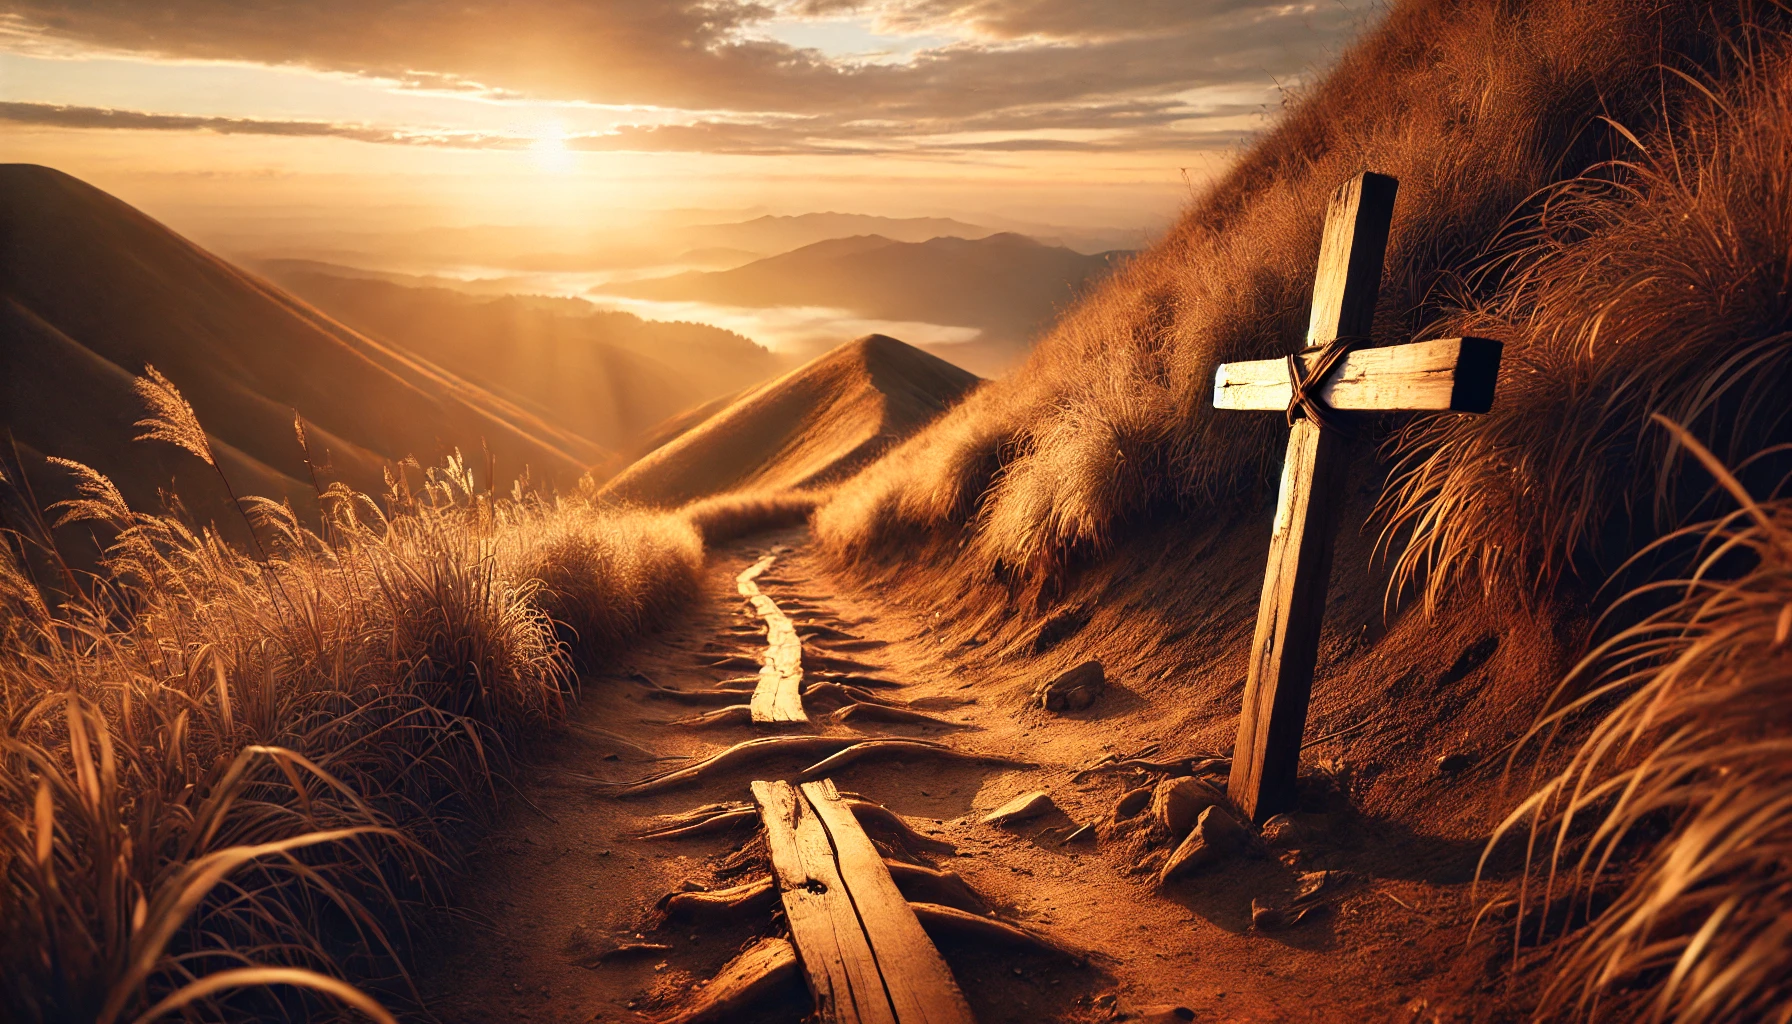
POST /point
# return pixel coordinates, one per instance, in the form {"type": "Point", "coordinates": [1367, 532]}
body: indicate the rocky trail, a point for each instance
{"type": "Point", "coordinates": [1068, 861]}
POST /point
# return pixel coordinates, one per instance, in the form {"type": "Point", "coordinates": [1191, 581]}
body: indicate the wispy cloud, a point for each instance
{"type": "Point", "coordinates": [992, 65]}
{"type": "Point", "coordinates": [784, 136]}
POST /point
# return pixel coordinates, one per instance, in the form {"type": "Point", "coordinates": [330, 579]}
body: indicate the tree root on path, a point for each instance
{"type": "Point", "coordinates": [695, 696]}
{"type": "Point", "coordinates": [841, 693]}
{"type": "Point", "coordinates": [741, 754]}
{"type": "Point", "coordinates": [734, 661]}
{"type": "Point", "coordinates": [927, 748]}
{"type": "Point", "coordinates": [766, 970]}
{"type": "Point", "coordinates": [721, 906]}
{"type": "Point", "coordinates": [734, 714]}
{"type": "Point", "coordinates": [855, 679]}
{"type": "Point", "coordinates": [852, 645]}
{"type": "Point", "coordinates": [941, 921]}
{"type": "Point", "coordinates": [921, 884]}
{"type": "Point", "coordinates": [624, 742]}
{"type": "Point", "coordinates": [1194, 764]}
{"type": "Point", "coordinates": [875, 712]}
{"type": "Point", "coordinates": [817, 631]}
{"type": "Point", "coordinates": [838, 663]}
{"type": "Point", "coordinates": [719, 821]}
{"type": "Point", "coordinates": [877, 816]}
{"type": "Point", "coordinates": [738, 683]}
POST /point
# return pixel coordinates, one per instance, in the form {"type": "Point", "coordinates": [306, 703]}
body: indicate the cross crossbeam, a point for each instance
{"type": "Point", "coordinates": [1454, 374]}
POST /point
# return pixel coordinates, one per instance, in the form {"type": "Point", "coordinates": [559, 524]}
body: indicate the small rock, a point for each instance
{"type": "Point", "coordinates": [1283, 832]}
{"type": "Point", "coordinates": [1073, 690]}
{"type": "Point", "coordinates": [1027, 805]}
{"type": "Point", "coordinates": [1165, 1014]}
{"type": "Point", "coordinates": [1217, 836]}
{"type": "Point", "coordinates": [1131, 802]}
{"type": "Point", "coordinates": [1177, 803]}
{"type": "Point", "coordinates": [1450, 764]}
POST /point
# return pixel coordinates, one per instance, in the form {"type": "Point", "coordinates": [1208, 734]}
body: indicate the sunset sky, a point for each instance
{"type": "Point", "coordinates": [310, 115]}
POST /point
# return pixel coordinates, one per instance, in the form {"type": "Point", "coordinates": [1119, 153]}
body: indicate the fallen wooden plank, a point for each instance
{"type": "Point", "coordinates": [919, 983]}
{"type": "Point", "coordinates": [1449, 374]}
{"type": "Point", "coordinates": [837, 959]}
{"type": "Point", "coordinates": [779, 696]}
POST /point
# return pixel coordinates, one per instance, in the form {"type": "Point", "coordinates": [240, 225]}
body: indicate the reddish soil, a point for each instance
{"type": "Point", "coordinates": [560, 881]}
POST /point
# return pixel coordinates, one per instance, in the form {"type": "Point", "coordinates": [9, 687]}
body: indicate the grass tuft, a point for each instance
{"type": "Point", "coordinates": [228, 783]}
{"type": "Point", "coordinates": [1671, 825]}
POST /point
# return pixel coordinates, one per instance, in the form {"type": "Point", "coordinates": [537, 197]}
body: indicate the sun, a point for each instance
{"type": "Point", "coordinates": [549, 149]}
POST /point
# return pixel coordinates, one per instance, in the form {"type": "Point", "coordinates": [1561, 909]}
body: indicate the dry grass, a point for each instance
{"type": "Point", "coordinates": [1698, 752]}
{"type": "Point", "coordinates": [1605, 186]}
{"type": "Point", "coordinates": [1661, 287]}
{"type": "Point", "coordinates": [227, 781]}
{"type": "Point", "coordinates": [727, 517]}
{"type": "Point", "coordinates": [1484, 112]}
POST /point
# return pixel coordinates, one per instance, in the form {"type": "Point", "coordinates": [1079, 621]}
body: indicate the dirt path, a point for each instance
{"type": "Point", "coordinates": [560, 888]}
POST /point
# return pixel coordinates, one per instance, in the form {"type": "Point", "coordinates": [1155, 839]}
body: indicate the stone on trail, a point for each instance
{"type": "Point", "coordinates": [1217, 837]}
{"type": "Point", "coordinates": [1284, 832]}
{"type": "Point", "coordinates": [1073, 690]}
{"type": "Point", "coordinates": [1131, 802]}
{"type": "Point", "coordinates": [1177, 803]}
{"type": "Point", "coordinates": [1167, 1014]}
{"type": "Point", "coordinates": [1027, 805]}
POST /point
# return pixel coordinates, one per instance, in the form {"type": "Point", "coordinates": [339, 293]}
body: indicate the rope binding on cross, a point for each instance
{"type": "Point", "coordinates": [1305, 400]}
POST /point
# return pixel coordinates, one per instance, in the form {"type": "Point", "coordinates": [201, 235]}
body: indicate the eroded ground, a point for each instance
{"type": "Point", "coordinates": [560, 887]}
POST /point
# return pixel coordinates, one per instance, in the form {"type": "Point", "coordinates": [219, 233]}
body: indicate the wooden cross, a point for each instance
{"type": "Point", "coordinates": [1455, 374]}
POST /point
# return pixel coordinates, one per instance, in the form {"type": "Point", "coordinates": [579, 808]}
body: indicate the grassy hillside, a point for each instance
{"type": "Point", "coordinates": [605, 376]}
{"type": "Point", "coordinates": [323, 723]}
{"type": "Point", "coordinates": [94, 291]}
{"type": "Point", "coordinates": [806, 429]}
{"type": "Point", "coordinates": [1601, 185]}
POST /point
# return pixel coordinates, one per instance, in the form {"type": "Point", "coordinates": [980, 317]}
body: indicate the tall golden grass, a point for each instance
{"type": "Point", "coordinates": [1495, 117]}
{"type": "Point", "coordinates": [228, 781]}
{"type": "Point", "coordinates": [1605, 186]}
{"type": "Point", "coordinates": [1671, 825]}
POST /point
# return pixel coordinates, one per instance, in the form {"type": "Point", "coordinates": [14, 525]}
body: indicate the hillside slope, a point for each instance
{"type": "Point", "coordinates": [810, 426]}
{"type": "Point", "coordinates": [606, 376]}
{"type": "Point", "coordinates": [1599, 184]}
{"type": "Point", "coordinates": [95, 290]}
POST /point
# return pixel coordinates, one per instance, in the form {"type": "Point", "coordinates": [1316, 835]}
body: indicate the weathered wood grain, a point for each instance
{"type": "Point", "coordinates": [843, 974]}
{"type": "Point", "coordinates": [779, 696]}
{"type": "Point", "coordinates": [919, 983]}
{"type": "Point", "coordinates": [1449, 374]}
{"type": "Point", "coordinates": [1286, 645]}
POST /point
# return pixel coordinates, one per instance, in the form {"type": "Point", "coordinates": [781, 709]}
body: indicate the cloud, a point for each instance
{"type": "Point", "coordinates": [783, 136]}
{"type": "Point", "coordinates": [715, 56]}
{"type": "Point", "coordinates": [52, 115]}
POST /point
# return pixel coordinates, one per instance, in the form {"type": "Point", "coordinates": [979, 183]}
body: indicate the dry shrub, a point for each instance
{"type": "Point", "coordinates": [606, 576]}
{"type": "Point", "coordinates": [226, 780]}
{"type": "Point", "coordinates": [1480, 109]}
{"type": "Point", "coordinates": [1697, 751]}
{"type": "Point", "coordinates": [1661, 287]}
{"type": "Point", "coordinates": [727, 517]}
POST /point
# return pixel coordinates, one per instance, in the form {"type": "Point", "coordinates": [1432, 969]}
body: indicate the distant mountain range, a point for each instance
{"type": "Point", "coordinates": [1008, 286]}
{"type": "Point", "coordinates": [92, 291]}
{"type": "Point", "coordinates": [591, 247]}
{"type": "Point", "coordinates": [782, 234]}
{"type": "Point", "coordinates": [606, 376]}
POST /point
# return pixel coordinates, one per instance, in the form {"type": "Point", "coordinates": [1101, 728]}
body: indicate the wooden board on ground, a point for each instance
{"type": "Point", "coordinates": [863, 950]}
{"type": "Point", "coordinates": [779, 696]}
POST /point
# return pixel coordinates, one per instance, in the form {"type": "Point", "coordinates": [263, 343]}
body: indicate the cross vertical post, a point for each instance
{"type": "Point", "coordinates": [1286, 646]}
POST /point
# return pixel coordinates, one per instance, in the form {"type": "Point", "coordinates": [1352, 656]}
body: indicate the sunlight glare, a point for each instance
{"type": "Point", "coordinates": [549, 149]}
